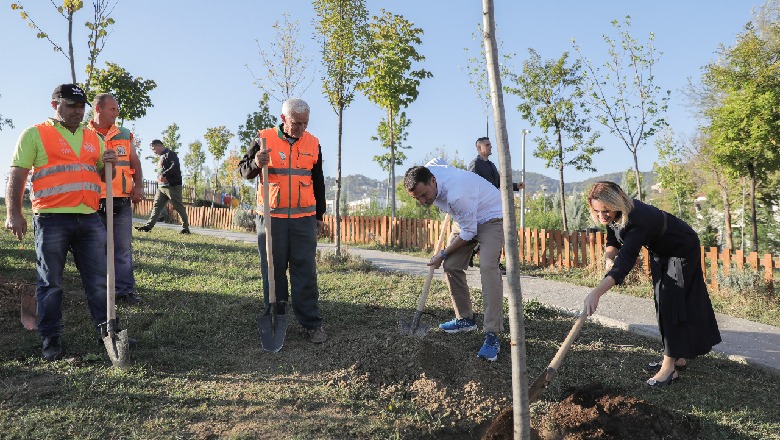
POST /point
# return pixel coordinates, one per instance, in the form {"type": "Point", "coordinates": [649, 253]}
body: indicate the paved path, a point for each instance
{"type": "Point", "coordinates": [743, 340]}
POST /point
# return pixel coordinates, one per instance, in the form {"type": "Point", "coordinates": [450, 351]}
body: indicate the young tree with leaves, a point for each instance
{"type": "Point", "coordinates": [256, 121]}
{"type": "Point", "coordinates": [132, 93]}
{"type": "Point", "coordinates": [98, 31]}
{"type": "Point", "coordinates": [625, 96]}
{"type": "Point", "coordinates": [342, 33]}
{"type": "Point", "coordinates": [171, 137]}
{"type": "Point", "coordinates": [745, 126]}
{"type": "Point", "coordinates": [284, 67]}
{"type": "Point", "coordinates": [521, 413]}
{"type": "Point", "coordinates": [193, 163]}
{"type": "Point", "coordinates": [401, 124]}
{"type": "Point", "coordinates": [673, 172]}
{"type": "Point", "coordinates": [217, 140]}
{"type": "Point", "coordinates": [391, 83]}
{"type": "Point", "coordinates": [553, 98]}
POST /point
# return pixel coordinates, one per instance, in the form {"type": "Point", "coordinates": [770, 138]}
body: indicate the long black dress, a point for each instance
{"type": "Point", "coordinates": [683, 308]}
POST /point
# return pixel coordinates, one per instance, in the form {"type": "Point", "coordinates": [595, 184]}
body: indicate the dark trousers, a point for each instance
{"type": "Point", "coordinates": [294, 247]}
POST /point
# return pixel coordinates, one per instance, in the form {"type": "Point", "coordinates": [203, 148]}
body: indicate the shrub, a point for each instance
{"type": "Point", "coordinates": [244, 219]}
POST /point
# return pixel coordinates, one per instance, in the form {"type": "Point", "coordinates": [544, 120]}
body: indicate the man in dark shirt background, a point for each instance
{"type": "Point", "coordinates": [487, 169]}
{"type": "Point", "coordinates": [168, 187]}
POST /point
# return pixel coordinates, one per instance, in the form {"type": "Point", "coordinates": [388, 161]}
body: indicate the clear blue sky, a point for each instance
{"type": "Point", "coordinates": [197, 50]}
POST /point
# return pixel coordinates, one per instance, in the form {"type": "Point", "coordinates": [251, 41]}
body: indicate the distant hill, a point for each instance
{"type": "Point", "coordinates": [357, 186]}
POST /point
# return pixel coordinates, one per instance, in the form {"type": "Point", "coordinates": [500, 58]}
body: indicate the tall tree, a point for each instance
{"type": "Point", "coordinates": [625, 96]}
{"type": "Point", "coordinates": [255, 122]}
{"type": "Point", "coordinates": [383, 136]}
{"type": "Point", "coordinates": [343, 36]}
{"type": "Point", "coordinates": [171, 137]}
{"type": "Point", "coordinates": [131, 93]}
{"type": "Point", "coordinates": [391, 83]}
{"type": "Point", "coordinates": [673, 172]}
{"type": "Point", "coordinates": [521, 413]}
{"type": "Point", "coordinates": [745, 127]}
{"type": "Point", "coordinates": [193, 163]}
{"type": "Point", "coordinates": [284, 68]}
{"type": "Point", "coordinates": [217, 140]}
{"type": "Point", "coordinates": [553, 98]}
{"type": "Point", "coordinates": [98, 31]}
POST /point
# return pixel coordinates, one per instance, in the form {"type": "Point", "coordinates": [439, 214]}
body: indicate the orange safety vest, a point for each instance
{"type": "Point", "coordinates": [290, 185]}
{"type": "Point", "coordinates": [119, 139]}
{"type": "Point", "coordinates": [66, 180]}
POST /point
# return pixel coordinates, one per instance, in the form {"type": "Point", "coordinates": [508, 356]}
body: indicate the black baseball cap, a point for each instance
{"type": "Point", "coordinates": [71, 93]}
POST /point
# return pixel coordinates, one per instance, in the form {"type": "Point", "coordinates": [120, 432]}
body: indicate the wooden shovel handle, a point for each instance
{"type": "Point", "coordinates": [110, 275]}
{"type": "Point", "coordinates": [267, 222]}
{"type": "Point", "coordinates": [439, 243]}
{"type": "Point", "coordinates": [567, 343]}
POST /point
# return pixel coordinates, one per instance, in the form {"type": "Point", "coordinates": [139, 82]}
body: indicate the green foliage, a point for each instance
{"type": "Point", "coordinates": [255, 122]}
{"type": "Point", "coordinates": [391, 83]}
{"type": "Point", "coordinates": [451, 158]}
{"type": "Point", "coordinates": [171, 137]}
{"type": "Point", "coordinates": [284, 70]}
{"type": "Point", "coordinates": [193, 163]}
{"type": "Point", "coordinates": [98, 31]}
{"type": "Point", "coordinates": [553, 99]}
{"type": "Point", "coordinates": [131, 93]}
{"type": "Point", "coordinates": [400, 124]}
{"type": "Point", "coordinates": [477, 73]}
{"type": "Point", "coordinates": [217, 140]}
{"type": "Point", "coordinates": [244, 219]}
{"type": "Point", "coordinates": [674, 175]}
{"type": "Point", "coordinates": [624, 94]}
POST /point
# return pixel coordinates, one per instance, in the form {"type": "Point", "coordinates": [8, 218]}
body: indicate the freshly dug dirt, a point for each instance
{"type": "Point", "coordinates": [596, 412]}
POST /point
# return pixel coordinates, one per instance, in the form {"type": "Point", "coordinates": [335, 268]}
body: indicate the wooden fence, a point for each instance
{"type": "Point", "coordinates": [538, 247]}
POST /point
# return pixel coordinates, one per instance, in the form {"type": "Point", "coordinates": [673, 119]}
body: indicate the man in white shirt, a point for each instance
{"type": "Point", "coordinates": [475, 205]}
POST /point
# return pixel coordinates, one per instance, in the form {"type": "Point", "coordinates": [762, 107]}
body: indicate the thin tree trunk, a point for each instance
{"type": "Point", "coordinates": [636, 175]}
{"type": "Point", "coordinates": [520, 403]}
{"type": "Point", "coordinates": [729, 235]}
{"type": "Point", "coordinates": [338, 184]}
{"type": "Point", "coordinates": [563, 199]}
{"type": "Point", "coordinates": [70, 47]}
{"type": "Point", "coordinates": [753, 217]}
{"type": "Point", "coordinates": [392, 173]}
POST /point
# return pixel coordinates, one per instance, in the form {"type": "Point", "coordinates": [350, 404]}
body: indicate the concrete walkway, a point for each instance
{"type": "Point", "coordinates": [743, 340]}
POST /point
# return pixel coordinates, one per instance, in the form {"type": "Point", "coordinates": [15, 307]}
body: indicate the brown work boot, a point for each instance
{"type": "Point", "coordinates": [317, 335]}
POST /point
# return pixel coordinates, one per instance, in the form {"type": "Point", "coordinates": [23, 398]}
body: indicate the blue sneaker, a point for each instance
{"type": "Point", "coordinates": [490, 348]}
{"type": "Point", "coordinates": [459, 325]}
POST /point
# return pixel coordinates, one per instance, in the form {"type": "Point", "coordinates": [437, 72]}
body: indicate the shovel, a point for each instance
{"type": "Point", "coordinates": [117, 343]}
{"type": "Point", "coordinates": [413, 327]}
{"type": "Point", "coordinates": [547, 376]}
{"type": "Point", "coordinates": [29, 311]}
{"type": "Point", "coordinates": [273, 326]}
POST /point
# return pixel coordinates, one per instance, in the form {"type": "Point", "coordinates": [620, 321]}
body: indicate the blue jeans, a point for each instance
{"type": "Point", "coordinates": [85, 237]}
{"type": "Point", "coordinates": [123, 251]}
{"type": "Point", "coordinates": [294, 246]}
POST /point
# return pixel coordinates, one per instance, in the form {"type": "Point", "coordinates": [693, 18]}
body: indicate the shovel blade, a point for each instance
{"type": "Point", "coordinates": [29, 312]}
{"type": "Point", "coordinates": [118, 348]}
{"type": "Point", "coordinates": [413, 327]}
{"type": "Point", "coordinates": [273, 328]}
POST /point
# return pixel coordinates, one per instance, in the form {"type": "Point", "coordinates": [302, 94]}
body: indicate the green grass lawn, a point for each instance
{"type": "Point", "coordinates": [199, 372]}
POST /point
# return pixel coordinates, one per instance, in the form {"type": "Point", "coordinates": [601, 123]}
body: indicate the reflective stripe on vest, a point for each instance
{"type": "Point", "coordinates": [118, 139]}
{"type": "Point", "coordinates": [66, 180]}
{"type": "Point", "coordinates": [291, 188]}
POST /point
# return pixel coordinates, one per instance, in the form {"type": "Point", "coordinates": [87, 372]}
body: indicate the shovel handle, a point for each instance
{"type": "Point", "coordinates": [268, 239]}
{"type": "Point", "coordinates": [110, 275]}
{"type": "Point", "coordinates": [429, 279]}
{"type": "Point", "coordinates": [567, 343]}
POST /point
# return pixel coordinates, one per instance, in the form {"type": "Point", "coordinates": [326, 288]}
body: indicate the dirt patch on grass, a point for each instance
{"type": "Point", "coordinates": [596, 412]}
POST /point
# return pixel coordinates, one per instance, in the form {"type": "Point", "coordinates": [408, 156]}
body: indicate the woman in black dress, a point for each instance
{"type": "Point", "coordinates": [683, 309]}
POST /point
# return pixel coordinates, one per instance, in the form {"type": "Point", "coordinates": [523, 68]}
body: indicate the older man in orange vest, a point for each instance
{"type": "Point", "coordinates": [297, 205]}
{"type": "Point", "coordinates": [67, 163]}
{"type": "Point", "coordinates": [127, 188]}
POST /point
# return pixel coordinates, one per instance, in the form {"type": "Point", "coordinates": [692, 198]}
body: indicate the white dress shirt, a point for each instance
{"type": "Point", "coordinates": [466, 196]}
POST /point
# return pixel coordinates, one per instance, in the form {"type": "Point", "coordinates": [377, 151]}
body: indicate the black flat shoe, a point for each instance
{"type": "Point", "coordinates": [654, 367]}
{"type": "Point", "coordinates": [662, 383]}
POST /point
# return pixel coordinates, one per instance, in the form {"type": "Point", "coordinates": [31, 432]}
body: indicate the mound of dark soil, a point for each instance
{"type": "Point", "coordinates": [596, 412]}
